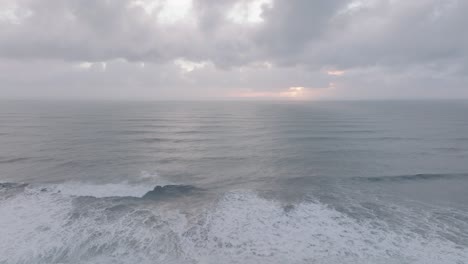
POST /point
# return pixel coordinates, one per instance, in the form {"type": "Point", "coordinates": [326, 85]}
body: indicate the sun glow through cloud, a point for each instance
{"type": "Point", "coordinates": [292, 93]}
{"type": "Point", "coordinates": [297, 92]}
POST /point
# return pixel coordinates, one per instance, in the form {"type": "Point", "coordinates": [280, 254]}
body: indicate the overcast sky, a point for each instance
{"type": "Point", "coordinates": [232, 49]}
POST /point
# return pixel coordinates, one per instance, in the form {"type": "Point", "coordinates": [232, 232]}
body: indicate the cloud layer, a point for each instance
{"type": "Point", "coordinates": [203, 49]}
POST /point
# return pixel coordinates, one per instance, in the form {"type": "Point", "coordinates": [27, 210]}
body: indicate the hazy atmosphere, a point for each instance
{"type": "Point", "coordinates": [233, 132]}
{"type": "Point", "coordinates": [234, 49]}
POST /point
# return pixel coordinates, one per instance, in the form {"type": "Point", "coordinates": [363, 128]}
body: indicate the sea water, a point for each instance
{"type": "Point", "coordinates": [234, 182]}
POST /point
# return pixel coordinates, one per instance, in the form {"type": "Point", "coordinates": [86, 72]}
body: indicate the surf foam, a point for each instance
{"type": "Point", "coordinates": [123, 189]}
{"type": "Point", "coordinates": [51, 227]}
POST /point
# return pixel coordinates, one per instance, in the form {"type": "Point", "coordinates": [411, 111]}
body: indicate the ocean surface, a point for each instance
{"type": "Point", "coordinates": [234, 182]}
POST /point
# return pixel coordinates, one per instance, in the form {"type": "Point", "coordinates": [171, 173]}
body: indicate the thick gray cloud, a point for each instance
{"type": "Point", "coordinates": [217, 49]}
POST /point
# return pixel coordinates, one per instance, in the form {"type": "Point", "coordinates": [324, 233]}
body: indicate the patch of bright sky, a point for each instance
{"type": "Point", "coordinates": [335, 72]}
{"type": "Point", "coordinates": [248, 11]}
{"type": "Point", "coordinates": [168, 11]}
{"type": "Point", "coordinates": [86, 65]}
{"type": "Point", "coordinates": [174, 10]}
{"type": "Point", "coordinates": [189, 66]}
{"type": "Point", "coordinates": [356, 5]}
{"type": "Point", "coordinates": [171, 11]}
{"type": "Point", "coordinates": [11, 13]}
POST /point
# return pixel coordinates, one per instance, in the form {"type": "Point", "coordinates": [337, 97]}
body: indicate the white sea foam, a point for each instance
{"type": "Point", "coordinates": [50, 227]}
{"type": "Point", "coordinates": [153, 176]}
{"type": "Point", "coordinates": [145, 183]}
{"type": "Point", "coordinates": [123, 189]}
{"type": "Point", "coordinates": [247, 229]}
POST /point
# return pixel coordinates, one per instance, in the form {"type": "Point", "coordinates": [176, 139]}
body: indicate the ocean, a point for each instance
{"type": "Point", "coordinates": [234, 182]}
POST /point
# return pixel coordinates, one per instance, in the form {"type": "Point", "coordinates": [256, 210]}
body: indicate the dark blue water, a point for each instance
{"type": "Point", "coordinates": [234, 182]}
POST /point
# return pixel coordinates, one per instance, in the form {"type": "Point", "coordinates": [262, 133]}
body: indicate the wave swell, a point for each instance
{"type": "Point", "coordinates": [415, 177]}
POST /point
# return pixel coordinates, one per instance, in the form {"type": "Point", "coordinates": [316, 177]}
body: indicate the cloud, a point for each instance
{"type": "Point", "coordinates": [208, 48]}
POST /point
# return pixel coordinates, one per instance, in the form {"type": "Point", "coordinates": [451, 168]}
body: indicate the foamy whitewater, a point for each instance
{"type": "Point", "coordinates": [234, 183]}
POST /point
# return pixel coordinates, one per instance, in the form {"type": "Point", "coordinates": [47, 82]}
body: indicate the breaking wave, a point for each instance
{"type": "Point", "coordinates": [76, 189]}
{"type": "Point", "coordinates": [42, 226]}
